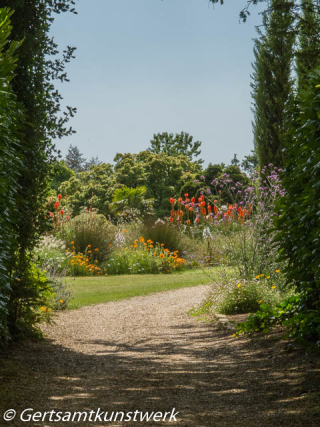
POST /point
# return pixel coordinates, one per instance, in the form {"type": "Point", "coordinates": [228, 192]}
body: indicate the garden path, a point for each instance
{"type": "Point", "coordinates": [147, 353]}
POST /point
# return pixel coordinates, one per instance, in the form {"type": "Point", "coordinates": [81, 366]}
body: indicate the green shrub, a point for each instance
{"type": "Point", "coordinates": [144, 258]}
{"type": "Point", "coordinates": [89, 229]}
{"type": "Point", "coordinates": [163, 232]}
{"type": "Point", "coordinates": [303, 326]}
{"type": "Point", "coordinates": [32, 301]}
{"type": "Point", "coordinates": [245, 296]}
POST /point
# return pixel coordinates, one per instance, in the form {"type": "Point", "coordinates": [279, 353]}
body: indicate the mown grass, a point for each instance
{"type": "Point", "coordinates": [95, 290]}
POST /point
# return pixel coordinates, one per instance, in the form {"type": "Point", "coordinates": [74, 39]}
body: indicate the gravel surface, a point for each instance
{"type": "Point", "coordinates": [148, 354]}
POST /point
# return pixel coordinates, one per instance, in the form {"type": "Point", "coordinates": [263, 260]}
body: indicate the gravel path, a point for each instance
{"type": "Point", "coordinates": [148, 354]}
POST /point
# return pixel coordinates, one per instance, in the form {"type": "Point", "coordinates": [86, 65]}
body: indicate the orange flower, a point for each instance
{"type": "Point", "coordinates": [171, 219]}
{"type": "Point", "coordinates": [96, 249]}
{"type": "Point", "coordinates": [89, 246]}
{"type": "Point", "coordinates": [124, 231]}
{"type": "Point", "coordinates": [62, 212]}
{"type": "Point", "coordinates": [59, 196]}
{"type": "Point", "coordinates": [56, 205]}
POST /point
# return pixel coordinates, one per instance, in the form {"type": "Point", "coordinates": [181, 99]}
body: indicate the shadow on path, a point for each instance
{"type": "Point", "coordinates": [210, 377]}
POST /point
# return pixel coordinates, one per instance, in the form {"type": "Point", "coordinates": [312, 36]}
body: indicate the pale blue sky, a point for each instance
{"type": "Point", "coordinates": [149, 66]}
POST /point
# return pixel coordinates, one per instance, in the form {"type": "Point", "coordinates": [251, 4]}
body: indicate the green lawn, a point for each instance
{"type": "Point", "coordinates": [95, 290]}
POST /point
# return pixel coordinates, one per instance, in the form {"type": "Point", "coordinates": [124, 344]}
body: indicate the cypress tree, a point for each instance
{"type": "Point", "coordinates": [308, 52]}
{"type": "Point", "coordinates": [272, 84]}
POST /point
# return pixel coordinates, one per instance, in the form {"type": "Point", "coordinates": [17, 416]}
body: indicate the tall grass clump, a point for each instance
{"type": "Point", "coordinates": [89, 229]}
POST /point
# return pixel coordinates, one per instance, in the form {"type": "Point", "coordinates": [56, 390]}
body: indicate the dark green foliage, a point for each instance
{"type": "Point", "coordinates": [175, 145]}
{"type": "Point", "coordinates": [299, 223]}
{"type": "Point", "coordinates": [303, 326]}
{"type": "Point", "coordinates": [308, 52]}
{"type": "Point", "coordinates": [34, 91]}
{"type": "Point", "coordinates": [11, 164]}
{"type": "Point", "coordinates": [212, 172]}
{"type": "Point", "coordinates": [272, 84]}
{"type": "Point", "coordinates": [61, 173]}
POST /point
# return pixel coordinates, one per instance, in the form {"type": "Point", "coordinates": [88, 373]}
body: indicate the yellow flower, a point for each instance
{"type": "Point", "coordinates": [258, 277]}
{"type": "Point", "coordinates": [19, 280]}
{"type": "Point", "coordinates": [277, 271]}
{"type": "Point", "coordinates": [161, 255]}
{"type": "Point", "coordinates": [43, 309]}
{"type": "Point", "coordinates": [72, 243]}
{"type": "Point", "coordinates": [260, 302]}
{"type": "Point", "coordinates": [273, 287]}
{"type": "Point", "coordinates": [261, 275]}
{"type": "Point", "coordinates": [268, 277]}
{"type": "Point", "coordinates": [239, 285]}
{"type": "Point", "coordinates": [61, 301]}
{"type": "Point", "coordinates": [67, 250]}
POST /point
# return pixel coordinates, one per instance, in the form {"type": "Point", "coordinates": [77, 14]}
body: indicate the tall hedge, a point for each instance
{"type": "Point", "coordinates": [299, 223]}
{"type": "Point", "coordinates": [10, 162]}
{"type": "Point", "coordinates": [28, 140]}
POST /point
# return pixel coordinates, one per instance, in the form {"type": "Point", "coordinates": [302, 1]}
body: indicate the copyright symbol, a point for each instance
{"type": "Point", "coordinates": [9, 415]}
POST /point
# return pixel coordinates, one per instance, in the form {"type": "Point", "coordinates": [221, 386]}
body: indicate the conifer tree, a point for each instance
{"type": "Point", "coordinates": [272, 84]}
{"type": "Point", "coordinates": [308, 52]}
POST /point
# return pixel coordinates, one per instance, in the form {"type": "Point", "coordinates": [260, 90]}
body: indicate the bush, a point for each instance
{"type": "Point", "coordinates": [89, 229]}
{"type": "Point", "coordinates": [162, 232]}
{"type": "Point", "coordinates": [28, 309]}
{"type": "Point", "coordinates": [246, 296]}
{"type": "Point", "coordinates": [144, 258]}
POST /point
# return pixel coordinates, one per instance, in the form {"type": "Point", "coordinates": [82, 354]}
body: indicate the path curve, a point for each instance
{"type": "Point", "coordinates": [148, 354]}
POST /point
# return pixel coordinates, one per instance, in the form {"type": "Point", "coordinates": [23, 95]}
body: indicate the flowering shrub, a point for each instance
{"type": "Point", "coordinates": [143, 257]}
{"type": "Point", "coordinates": [85, 264]}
